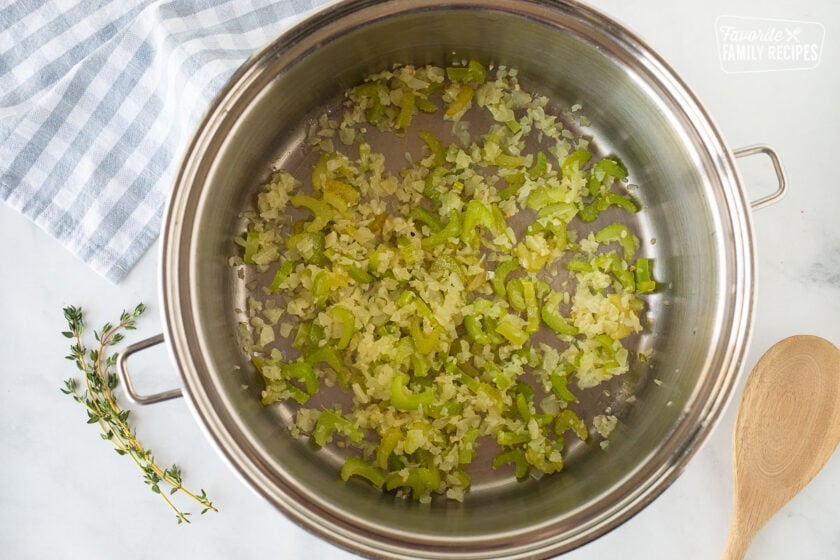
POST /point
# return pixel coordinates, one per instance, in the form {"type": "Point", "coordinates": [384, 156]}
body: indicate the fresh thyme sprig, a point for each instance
{"type": "Point", "coordinates": [102, 408]}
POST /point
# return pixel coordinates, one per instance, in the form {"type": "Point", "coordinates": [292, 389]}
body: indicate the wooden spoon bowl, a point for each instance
{"type": "Point", "coordinates": [787, 428]}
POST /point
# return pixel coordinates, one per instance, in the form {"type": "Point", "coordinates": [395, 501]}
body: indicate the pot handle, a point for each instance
{"type": "Point", "coordinates": [122, 371]}
{"type": "Point", "coordinates": [777, 166]}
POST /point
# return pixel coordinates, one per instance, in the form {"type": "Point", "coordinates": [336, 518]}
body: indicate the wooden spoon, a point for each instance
{"type": "Point", "coordinates": [787, 428]}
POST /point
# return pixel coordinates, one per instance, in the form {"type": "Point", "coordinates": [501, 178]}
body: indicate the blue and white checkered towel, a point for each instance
{"type": "Point", "coordinates": [98, 99]}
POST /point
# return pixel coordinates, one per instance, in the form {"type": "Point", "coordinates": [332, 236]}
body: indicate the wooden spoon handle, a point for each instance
{"type": "Point", "coordinates": [737, 543]}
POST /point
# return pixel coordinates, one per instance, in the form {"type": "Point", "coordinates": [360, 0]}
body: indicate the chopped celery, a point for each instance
{"type": "Point", "coordinates": [406, 109]}
{"type": "Point", "coordinates": [421, 481]}
{"type": "Point", "coordinates": [540, 167]}
{"type": "Point", "coordinates": [330, 422]}
{"type": "Point", "coordinates": [435, 147]}
{"type": "Point", "coordinates": [427, 218]}
{"type": "Point", "coordinates": [576, 160]}
{"type": "Point", "coordinates": [328, 355]}
{"type": "Point", "coordinates": [286, 268]}
{"type": "Point", "coordinates": [354, 466]}
{"type": "Point", "coordinates": [474, 72]}
{"type": "Point", "coordinates": [348, 326]}
{"type": "Point", "coordinates": [461, 101]}
{"type": "Point", "coordinates": [619, 233]}
{"type": "Point", "coordinates": [252, 245]}
{"type": "Point", "coordinates": [568, 420]}
{"type": "Point", "coordinates": [509, 161]}
{"type": "Point", "coordinates": [515, 457]}
{"type": "Point", "coordinates": [550, 314]}
{"type": "Point", "coordinates": [387, 444]}
{"type": "Point", "coordinates": [511, 327]}
{"type": "Point", "coordinates": [500, 275]}
{"type": "Point", "coordinates": [403, 399]}
{"type": "Point", "coordinates": [360, 275]}
{"type": "Point", "coordinates": [451, 230]}
{"type": "Point", "coordinates": [560, 389]}
{"type": "Point", "coordinates": [644, 283]}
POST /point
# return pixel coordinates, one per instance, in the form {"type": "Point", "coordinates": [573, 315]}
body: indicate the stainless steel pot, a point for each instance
{"type": "Point", "coordinates": [694, 207]}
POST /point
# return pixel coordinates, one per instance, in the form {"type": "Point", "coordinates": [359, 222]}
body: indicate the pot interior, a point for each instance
{"type": "Point", "coordinates": [693, 224]}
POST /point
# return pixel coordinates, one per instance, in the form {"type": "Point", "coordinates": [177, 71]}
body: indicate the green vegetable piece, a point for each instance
{"type": "Point", "coordinates": [420, 364]}
{"type": "Point", "coordinates": [342, 190]}
{"type": "Point", "coordinates": [532, 309]}
{"type": "Point", "coordinates": [514, 183]}
{"type": "Point", "coordinates": [559, 388]}
{"type": "Point", "coordinates": [544, 196]}
{"type": "Point", "coordinates": [252, 245]}
{"type": "Point", "coordinates": [512, 438]}
{"type": "Point", "coordinates": [515, 457]}
{"type": "Point", "coordinates": [374, 92]}
{"type": "Point", "coordinates": [516, 294]}
{"type": "Point", "coordinates": [576, 160]}
{"type": "Point", "coordinates": [461, 101]}
{"type": "Point", "coordinates": [522, 407]}
{"type": "Point", "coordinates": [403, 399]}
{"type": "Point", "coordinates": [421, 480]}
{"type": "Point", "coordinates": [322, 285]}
{"type": "Point", "coordinates": [406, 109]}
{"type": "Point", "coordinates": [508, 161]}
{"type": "Point", "coordinates": [576, 265]}
{"type": "Point", "coordinates": [406, 250]}
{"type": "Point", "coordinates": [590, 212]}
{"type": "Point", "coordinates": [309, 244]}
{"type": "Point", "coordinates": [425, 105]}
{"type": "Point", "coordinates": [513, 126]}
{"type": "Point", "coordinates": [448, 264]}
{"type": "Point", "coordinates": [467, 446]}
{"type": "Point", "coordinates": [568, 420]}
{"type": "Point", "coordinates": [600, 171]}
{"type": "Point", "coordinates": [550, 314]}
{"type": "Point", "coordinates": [387, 444]}
{"type": "Point", "coordinates": [475, 330]}
{"type": "Point", "coordinates": [510, 327]}
{"type": "Point", "coordinates": [425, 343]}
{"type": "Point", "coordinates": [540, 167]}
{"type": "Point", "coordinates": [451, 230]}
{"type": "Point", "coordinates": [354, 466]}
{"type": "Point", "coordinates": [625, 278]}
{"type": "Point", "coordinates": [476, 214]}
{"type": "Point", "coordinates": [500, 274]}
{"type": "Point", "coordinates": [613, 199]}
{"type": "Point", "coordinates": [359, 275]}
{"type": "Point", "coordinates": [286, 268]}
{"type": "Point", "coordinates": [348, 325]}
{"type": "Point", "coordinates": [563, 211]}
{"type": "Point", "coordinates": [329, 356]}
{"type": "Point", "coordinates": [302, 372]}
{"type": "Point", "coordinates": [619, 233]}
{"type": "Point", "coordinates": [320, 173]}
{"type": "Point", "coordinates": [609, 168]}
{"type": "Point", "coordinates": [323, 212]}
{"type": "Point", "coordinates": [435, 147]}
{"type": "Point", "coordinates": [329, 421]}
{"type": "Point", "coordinates": [644, 283]}
{"type": "Point", "coordinates": [427, 218]}
{"type": "Point", "coordinates": [474, 72]}
{"type": "Point", "coordinates": [431, 188]}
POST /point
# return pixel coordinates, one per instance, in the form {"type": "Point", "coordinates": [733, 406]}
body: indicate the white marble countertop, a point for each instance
{"type": "Point", "coordinates": [65, 494]}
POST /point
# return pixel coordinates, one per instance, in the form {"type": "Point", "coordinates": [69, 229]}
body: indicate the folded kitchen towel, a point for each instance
{"type": "Point", "coordinates": [98, 99]}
